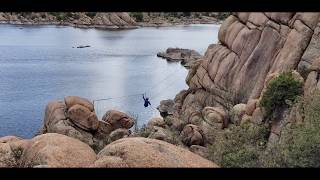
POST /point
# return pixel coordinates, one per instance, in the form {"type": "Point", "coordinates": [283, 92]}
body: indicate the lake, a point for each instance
{"type": "Point", "coordinates": [38, 64]}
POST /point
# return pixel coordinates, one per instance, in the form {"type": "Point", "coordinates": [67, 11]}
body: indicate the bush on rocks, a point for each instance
{"type": "Point", "coordinates": [239, 146]}
{"type": "Point", "coordinates": [299, 144]}
{"type": "Point", "coordinates": [280, 93]}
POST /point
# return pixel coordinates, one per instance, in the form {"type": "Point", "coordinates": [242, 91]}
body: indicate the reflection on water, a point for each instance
{"type": "Point", "coordinates": [38, 64]}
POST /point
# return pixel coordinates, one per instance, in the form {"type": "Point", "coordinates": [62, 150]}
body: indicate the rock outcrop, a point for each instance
{"type": "Point", "coordinates": [227, 83]}
{"type": "Point", "coordinates": [185, 56]}
{"type": "Point", "coordinates": [75, 117]}
{"type": "Point", "coordinates": [144, 152]}
{"type": "Point", "coordinates": [54, 150]}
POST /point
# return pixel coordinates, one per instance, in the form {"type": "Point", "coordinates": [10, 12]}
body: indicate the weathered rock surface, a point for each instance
{"type": "Point", "coordinates": [192, 135]}
{"type": "Point", "coordinates": [118, 134]}
{"type": "Point", "coordinates": [200, 150]}
{"type": "Point", "coordinates": [186, 56]}
{"type": "Point", "coordinates": [75, 117]}
{"type": "Point", "coordinates": [156, 122]}
{"type": "Point", "coordinates": [166, 107]}
{"type": "Point", "coordinates": [174, 123]}
{"type": "Point", "coordinates": [237, 112]}
{"type": "Point", "coordinates": [214, 115]}
{"type": "Point", "coordinates": [56, 150]}
{"type": "Point", "coordinates": [76, 100]}
{"type": "Point", "coordinates": [253, 48]}
{"type": "Point", "coordinates": [83, 118]}
{"type": "Point", "coordinates": [144, 152]}
{"type": "Point", "coordinates": [118, 119]}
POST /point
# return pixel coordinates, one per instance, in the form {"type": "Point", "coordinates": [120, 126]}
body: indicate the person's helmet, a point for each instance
{"type": "Point", "coordinates": [147, 98]}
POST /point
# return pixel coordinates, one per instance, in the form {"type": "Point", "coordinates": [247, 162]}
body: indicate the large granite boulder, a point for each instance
{"type": "Point", "coordinates": [192, 135]}
{"type": "Point", "coordinates": [166, 107]}
{"type": "Point", "coordinates": [76, 100]}
{"type": "Point", "coordinates": [56, 150]}
{"type": "Point", "coordinates": [144, 152]}
{"type": "Point", "coordinates": [83, 118]}
{"type": "Point", "coordinates": [75, 117]}
{"type": "Point", "coordinates": [118, 119]}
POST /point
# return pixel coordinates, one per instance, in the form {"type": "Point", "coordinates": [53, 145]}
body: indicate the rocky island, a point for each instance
{"type": "Point", "coordinates": [186, 56]}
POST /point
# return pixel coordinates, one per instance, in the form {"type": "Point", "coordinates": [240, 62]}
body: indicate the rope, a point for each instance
{"type": "Point", "coordinates": [149, 90]}
{"type": "Point", "coordinates": [170, 75]}
{"type": "Point", "coordinates": [115, 98]}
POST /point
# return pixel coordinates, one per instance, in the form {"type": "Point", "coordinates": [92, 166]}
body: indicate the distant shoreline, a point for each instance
{"type": "Point", "coordinates": [140, 25]}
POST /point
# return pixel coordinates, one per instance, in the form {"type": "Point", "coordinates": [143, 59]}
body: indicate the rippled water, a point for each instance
{"type": "Point", "coordinates": [38, 64]}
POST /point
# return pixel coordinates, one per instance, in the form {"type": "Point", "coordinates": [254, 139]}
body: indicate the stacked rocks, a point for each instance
{"type": "Point", "coordinates": [75, 117]}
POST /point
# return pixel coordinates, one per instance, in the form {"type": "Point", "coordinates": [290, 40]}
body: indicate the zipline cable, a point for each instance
{"type": "Point", "coordinates": [170, 75]}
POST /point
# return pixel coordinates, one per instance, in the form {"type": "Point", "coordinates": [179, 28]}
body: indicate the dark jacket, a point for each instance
{"type": "Point", "coordinates": [146, 101]}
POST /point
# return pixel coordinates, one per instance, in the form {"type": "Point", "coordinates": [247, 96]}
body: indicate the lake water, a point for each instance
{"type": "Point", "coordinates": [38, 64]}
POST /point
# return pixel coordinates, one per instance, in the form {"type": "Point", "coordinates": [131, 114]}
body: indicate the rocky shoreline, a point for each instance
{"type": "Point", "coordinates": [79, 20]}
{"type": "Point", "coordinates": [177, 18]}
{"type": "Point", "coordinates": [262, 60]}
{"type": "Point", "coordinates": [73, 136]}
{"type": "Point", "coordinates": [99, 20]}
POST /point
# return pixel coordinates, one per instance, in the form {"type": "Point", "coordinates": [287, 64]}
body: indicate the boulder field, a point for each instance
{"type": "Point", "coordinates": [57, 150]}
{"type": "Point", "coordinates": [73, 136]}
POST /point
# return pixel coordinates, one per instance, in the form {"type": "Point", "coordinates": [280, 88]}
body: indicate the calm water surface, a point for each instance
{"type": "Point", "coordinates": [38, 64]}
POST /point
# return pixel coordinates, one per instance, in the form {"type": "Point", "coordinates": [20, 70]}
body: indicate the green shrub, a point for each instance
{"type": "Point", "coordinates": [280, 93]}
{"type": "Point", "coordinates": [138, 16]}
{"type": "Point", "coordinates": [91, 14]}
{"type": "Point", "coordinates": [60, 15]}
{"type": "Point", "coordinates": [300, 142]}
{"type": "Point", "coordinates": [239, 146]}
{"type": "Point", "coordinates": [223, 15]}
{"type": "Point", "coordinates": [53, 13]}
{"type": "Point", "coordinates": [186, 14]}
{"type": "Point", "coordinates": [74, 16]}
{"type": "Point", "coordinates": [17, 153]}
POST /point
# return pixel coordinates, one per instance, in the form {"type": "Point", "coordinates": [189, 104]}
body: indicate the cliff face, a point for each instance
{"type": "Point", "coordinates": [79, 19]}
{"type": "Point", "coordinates": [253, 48]}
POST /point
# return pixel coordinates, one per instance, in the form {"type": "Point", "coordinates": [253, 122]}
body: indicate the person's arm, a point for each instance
{"type": "Point", "coordinates": [143, 97]}
{"type": "Point", "coordinates": [149, 103]}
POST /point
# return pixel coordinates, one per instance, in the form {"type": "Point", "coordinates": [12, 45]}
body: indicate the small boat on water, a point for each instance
{"type": "Point", "coordinates": [83, 46]}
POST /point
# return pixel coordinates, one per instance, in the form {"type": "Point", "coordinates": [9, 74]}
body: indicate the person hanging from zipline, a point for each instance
{"type": "Point", "coordinates": [146, 101]}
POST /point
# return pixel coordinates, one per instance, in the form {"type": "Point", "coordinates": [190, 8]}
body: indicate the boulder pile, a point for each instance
{"type": "Point", "coordinates": [75, 117]}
